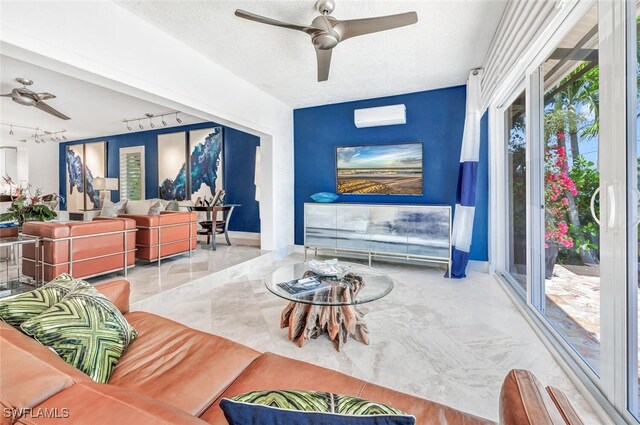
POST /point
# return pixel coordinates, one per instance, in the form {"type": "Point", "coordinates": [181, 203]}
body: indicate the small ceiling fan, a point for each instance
{"type": "Point", "coordinates": [27, 97]}
{"type": "Point", "coordinates": [326, 31]}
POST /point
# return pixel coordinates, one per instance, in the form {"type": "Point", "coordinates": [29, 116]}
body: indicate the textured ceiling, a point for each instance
{"type": "Point", "coordinates": [450, 38]}
{"type": "Point", "coordinates": [95, 111]}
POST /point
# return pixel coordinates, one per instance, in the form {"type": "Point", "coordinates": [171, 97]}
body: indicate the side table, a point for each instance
{"type": "Point", "coordinates": [212, 227]}
{"type": "Point", "coordinates": [12, 279]}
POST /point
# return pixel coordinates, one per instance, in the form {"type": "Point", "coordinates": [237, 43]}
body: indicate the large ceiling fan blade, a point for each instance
{"type": "Point", "coordinates": [5, 95]}
{"type": "Point", "coordinates": [264, 20]}
{"type": "Point", "coordinates": [48, 109]}
{"type": "Point", "coordinates": [45, 96]}
{"type": "Point", "coordinates": [355, 27]}
{"type": "Point", "coordinates": [324, 63]}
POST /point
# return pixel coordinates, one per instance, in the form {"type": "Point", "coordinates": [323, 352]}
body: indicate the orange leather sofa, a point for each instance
{"type": "Point", "coordinates": [172, 374]}
{"type": "Point", "coordinates": [83, 248]}
{"type": "Point", "coordinates": [160, 236]}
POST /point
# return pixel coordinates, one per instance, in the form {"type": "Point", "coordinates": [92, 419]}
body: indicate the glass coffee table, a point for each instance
{"type": "Point", "coordinates": [335, 308]}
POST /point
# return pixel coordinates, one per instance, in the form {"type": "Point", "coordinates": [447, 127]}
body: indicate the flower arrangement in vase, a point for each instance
{"type": "Point", "coordinates": [26, 205]}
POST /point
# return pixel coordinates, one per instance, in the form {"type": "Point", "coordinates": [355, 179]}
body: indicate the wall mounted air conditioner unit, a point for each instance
{"type": "Point", "coordinates": [383, 115]}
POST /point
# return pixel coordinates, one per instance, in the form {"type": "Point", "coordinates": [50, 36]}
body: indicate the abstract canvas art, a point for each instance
{"type": "Point", "coordinates": [172, 171]}
{"type": "Point", "coordinates": [95, 165]}
{"type": "Point", "coordinates": [201, 176]}
{"type": "Point", "coordinates": [84, 163]}
{"type": "Point", "coordinates": [380, 169]}
{"type": "Point", "coordinates": [75, 177]}
{"type": "Point", "coordinates": [205, 151]}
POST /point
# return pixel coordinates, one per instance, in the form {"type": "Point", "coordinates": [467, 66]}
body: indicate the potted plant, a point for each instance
{"type": "Point", "coordinates": [557, 184]}
{"type": "Point", "coordinates": [27, 206]}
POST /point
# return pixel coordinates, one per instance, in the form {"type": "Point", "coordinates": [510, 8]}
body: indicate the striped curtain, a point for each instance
{"type": "Point", "coordinates": [467, 177]}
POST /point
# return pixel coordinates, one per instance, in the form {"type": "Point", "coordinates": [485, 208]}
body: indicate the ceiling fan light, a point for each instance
{"type": "Point", "coordinates": [23, 100]}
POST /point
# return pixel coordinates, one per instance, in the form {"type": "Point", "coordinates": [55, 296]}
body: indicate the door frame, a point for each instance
{"type": "Point", "coordinates": [498, 157]}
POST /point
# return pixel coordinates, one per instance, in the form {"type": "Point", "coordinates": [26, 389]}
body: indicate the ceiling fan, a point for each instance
{"type": "Point", "coordinates": [27, 97]}
{"type": "Point", "coordinates": [326, 31]}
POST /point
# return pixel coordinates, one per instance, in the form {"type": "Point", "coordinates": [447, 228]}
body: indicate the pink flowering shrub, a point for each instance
{"type": "Point", "coordinates": [557, 183]}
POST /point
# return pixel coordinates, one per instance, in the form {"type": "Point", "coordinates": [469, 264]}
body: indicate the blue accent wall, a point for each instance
{"type": "Point", "coordinates": [435, 118]}
{"type": "Point", "coordinates": [239, 168]}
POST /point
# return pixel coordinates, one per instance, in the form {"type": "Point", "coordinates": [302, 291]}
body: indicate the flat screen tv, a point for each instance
{"type": "Point", "coordinates": [394, 169]}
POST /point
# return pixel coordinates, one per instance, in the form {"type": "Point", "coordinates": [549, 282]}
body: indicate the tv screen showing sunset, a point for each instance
{"type": "Point", "coordinates": [380, 169]}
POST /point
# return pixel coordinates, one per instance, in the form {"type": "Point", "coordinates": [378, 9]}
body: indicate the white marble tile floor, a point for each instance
{"type": "Point", "coordinates": [148, 279]}
{"type": "Point", "coordinates": [451, 341]}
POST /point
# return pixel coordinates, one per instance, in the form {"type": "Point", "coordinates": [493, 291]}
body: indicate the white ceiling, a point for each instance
{"type": "Point", "coordinates": [94, 110]}
{"type": "Point", "coordinates": [450, 38]}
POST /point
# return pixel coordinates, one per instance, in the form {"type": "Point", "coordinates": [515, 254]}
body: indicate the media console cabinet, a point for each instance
{"type": "Point", "coordinates": [411, 232]}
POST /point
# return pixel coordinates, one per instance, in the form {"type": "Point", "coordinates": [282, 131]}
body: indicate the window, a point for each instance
{"type": "Point", "coordinates": [132, 173]}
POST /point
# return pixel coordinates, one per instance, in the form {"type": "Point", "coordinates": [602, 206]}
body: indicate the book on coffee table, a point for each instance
{"type": "Point", "coordinates": [304, 286]}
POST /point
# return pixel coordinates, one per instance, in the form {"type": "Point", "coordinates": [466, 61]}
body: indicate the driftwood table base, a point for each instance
{"type": "Point", "coordinates": [307, 321]}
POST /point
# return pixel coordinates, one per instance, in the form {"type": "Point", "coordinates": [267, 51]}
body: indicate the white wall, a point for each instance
{"type": "Point", "coordinates": [37, 164]}
{"type": "Point", "coordinates": [105, 44]}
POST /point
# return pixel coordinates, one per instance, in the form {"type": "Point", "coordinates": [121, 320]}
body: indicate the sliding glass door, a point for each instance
{"type": "Point", "coordinates": [571, 145]}
{"type": "Point", "coordinates": [516, 175]}
{"type": "Point", "coordinates": [569, 212]}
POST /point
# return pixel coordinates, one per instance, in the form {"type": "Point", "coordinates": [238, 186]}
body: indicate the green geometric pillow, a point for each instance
{"type": "Point", "coordinates": [17, 310]}
{"type": "Point", "coordinates": [308, 407]}
{"type": "Point", "coordinates": [86, 330]}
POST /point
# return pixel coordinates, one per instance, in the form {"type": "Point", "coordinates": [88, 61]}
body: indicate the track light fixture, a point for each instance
{"type": "Point", "coordinates": [151, 124]}
{"type": "Point", "coordinates": [39, 135]}
{"type": "Point", "coordinates": [148, 116]}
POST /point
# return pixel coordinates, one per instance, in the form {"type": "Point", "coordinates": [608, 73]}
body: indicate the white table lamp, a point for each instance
{"type": "Point", "coordinates": [105, 185]}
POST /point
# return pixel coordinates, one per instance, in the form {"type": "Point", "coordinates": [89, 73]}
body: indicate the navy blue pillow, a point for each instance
{"type": "Point", "coordinates": [291, 407]}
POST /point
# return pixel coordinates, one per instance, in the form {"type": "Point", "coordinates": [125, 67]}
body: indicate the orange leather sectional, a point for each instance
{"type": "Point", "coordinates": [164, 235]}
{"type": "Point", "coordinates": [172, 374]}
{"type": "Point", "coordinates": [83, 248]}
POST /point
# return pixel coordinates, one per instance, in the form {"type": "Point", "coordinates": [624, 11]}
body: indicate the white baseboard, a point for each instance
{"type": "Point", "coordinates": [245, 238]}
{"type": "Point", "coordinates": [478, 266]}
